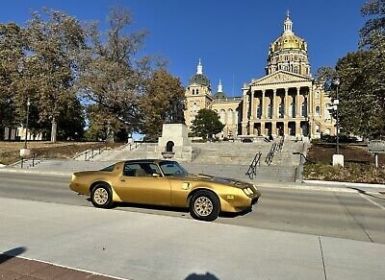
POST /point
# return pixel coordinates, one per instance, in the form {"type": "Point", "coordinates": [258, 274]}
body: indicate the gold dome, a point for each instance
{"type": "Point", "coordinates": [288, 41]}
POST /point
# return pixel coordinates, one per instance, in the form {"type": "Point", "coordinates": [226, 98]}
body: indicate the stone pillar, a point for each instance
{"type": "Point", "coordinates": [286, 103]}
{"type": "Point", "coordinates": [251, 128]}
{"type": "Point", "coordinates": [274, 129]}
{"type": "Point", "coordinates": [244, 128]}
{"type": "Point", "coordinates": [245, 107]}
{"type": "Point", "coordinates": [298, 104]}
{"type": "Point", "coordinates": [263, 105]}
{"type": "Point", "coordinates": [298, 129]}
{"type": "Point", "coordinates": [263, 128]}
{"type": "Point", "coordinates": [275, 107]}
{"type": "Point", "coordinates": [252, 113]}
{"type": "Point", "coordinates": [286, 128]}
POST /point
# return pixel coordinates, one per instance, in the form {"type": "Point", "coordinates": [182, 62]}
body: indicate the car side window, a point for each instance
{"type": "Point", "coordinates": [140, 169]}
{"type": "Point", "coordinates": [131, 169]}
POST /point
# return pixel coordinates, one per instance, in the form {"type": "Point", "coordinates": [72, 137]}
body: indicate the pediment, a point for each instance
{"type": "Point", "coordinates": [280, 77]}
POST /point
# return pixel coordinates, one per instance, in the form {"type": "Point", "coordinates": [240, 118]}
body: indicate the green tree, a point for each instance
{"type": "Point", "coordinates": [12, 57]}
{"type": "Point", "coordinates": [110, 75]}
{"type": "Point", "coordinates": [206, 124]}
{"type": "Point", "coordinates": [54, 40]}
{"type": "Point", "coordinates": [162, 101]}
{"type": "Point", "coordinates": [359, 110]}
{"type": "Point", "coordinates": [373, 41]}
{"type": "Point", "coordinates": [101, 124]}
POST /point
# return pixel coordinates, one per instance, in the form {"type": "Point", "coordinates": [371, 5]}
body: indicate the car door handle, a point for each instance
{"type": "Point", "coordinates": [122, 180]}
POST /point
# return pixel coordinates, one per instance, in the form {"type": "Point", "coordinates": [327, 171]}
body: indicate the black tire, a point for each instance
{"type": "Point", "coordinates": [101, 196]}
{"type": "Point", "coordinates": [204, 205]}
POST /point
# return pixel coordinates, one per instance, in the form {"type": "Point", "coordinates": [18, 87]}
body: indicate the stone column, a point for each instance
{"type": "Point", "coordinates": [245, 107]}
{"type": "Point", "coordinates": [298, 129]}
{"type": "Point", "coordinates": [274, 128]}
{"type": "Point", "coordinates": [275, 107]}
{"type": "Point", "coordinates": [263, 128]}
{"type": "Point", "coordinates": [298, 104]}
{"type": "Point", "coordinates": [286, 105]}
{"type": "Point", "coordinates": [244, 128]}
{"type": "Point", "coordinates": [252, 113]}
{"type": "Point", "coordinates": [263, 104]}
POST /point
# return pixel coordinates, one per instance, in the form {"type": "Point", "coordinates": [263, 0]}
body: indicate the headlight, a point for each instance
{"type": "Point", "coordinates": [248, 191]}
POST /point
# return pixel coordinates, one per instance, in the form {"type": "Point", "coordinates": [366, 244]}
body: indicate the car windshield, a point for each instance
{"type": "Point", "coordinates": [172, 168]}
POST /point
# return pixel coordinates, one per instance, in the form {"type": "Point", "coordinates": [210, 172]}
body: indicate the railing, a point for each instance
{"type": "Point", "coordinates": [91, 153]}
{"type": "Point", "coordinates": [276, 147]}
{"type": "Point", "coordinates": [270, 154]}
{"type": "Point", "coordinates": [252, 171]}
{"type": "Point", "coordinates": [23, 161]}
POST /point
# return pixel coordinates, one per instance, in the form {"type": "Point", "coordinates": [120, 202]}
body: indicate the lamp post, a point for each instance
{"type": "Point", "coordinates": [26, 124]}
{"type": "Point", "coordinates": [336, 102]}
{"type": "Point", "coordinates": [338, 159]}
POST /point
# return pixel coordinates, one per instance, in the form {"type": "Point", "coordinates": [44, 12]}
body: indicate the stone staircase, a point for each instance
{"type": "Point", "coordinates": [229, 159]}
{"type": "Point", "coordinates": [229, 153]}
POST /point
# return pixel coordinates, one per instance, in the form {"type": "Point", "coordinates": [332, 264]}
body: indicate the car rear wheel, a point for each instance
{"type": "Point", "coordinates": [101, 196]}
{"type": "Point", "coordinates": [204, 205]}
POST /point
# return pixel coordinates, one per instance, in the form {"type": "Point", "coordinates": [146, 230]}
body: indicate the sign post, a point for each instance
{"type": "Point", "coordinates": [376, 147]}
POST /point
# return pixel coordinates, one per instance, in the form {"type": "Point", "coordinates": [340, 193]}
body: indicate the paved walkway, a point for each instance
{"type": "Point", "coordinates": [141, 246]}
{"type": "Point", "coordinates": [17, 268]}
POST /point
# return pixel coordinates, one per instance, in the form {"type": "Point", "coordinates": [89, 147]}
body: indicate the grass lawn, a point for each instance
{"type": "Point", "coordinates": [9, 151]}
{"type": "Point", "coordinates": [359, 164]}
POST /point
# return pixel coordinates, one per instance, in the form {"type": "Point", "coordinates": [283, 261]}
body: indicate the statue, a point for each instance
{"type": "Point", "coordinates": [176, 113]}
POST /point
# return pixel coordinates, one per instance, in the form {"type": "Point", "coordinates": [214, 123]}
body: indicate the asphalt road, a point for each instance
{"type": "Point", "coordinates": [356, 216]}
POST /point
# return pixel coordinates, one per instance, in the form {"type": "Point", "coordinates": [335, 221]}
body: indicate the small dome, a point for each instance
{"type": "Point", "coordinates": [220, 95]}
{"type": "Point", "coordinates": [200, 79]}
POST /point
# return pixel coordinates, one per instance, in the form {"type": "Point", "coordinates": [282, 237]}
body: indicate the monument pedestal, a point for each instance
{"type": "Point", "coordinates": [338, 159]}
{"type": "Point", "coordinates": [174, 143]}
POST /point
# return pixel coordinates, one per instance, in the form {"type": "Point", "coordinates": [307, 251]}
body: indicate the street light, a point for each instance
{"type": "Point", "coordinates": [336, 102]}
{"type": "Point", "coordinates": [26, 124]}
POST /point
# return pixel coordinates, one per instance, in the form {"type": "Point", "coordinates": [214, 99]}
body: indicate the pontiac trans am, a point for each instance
{"type": "Point", "coordinates": [165, 183]}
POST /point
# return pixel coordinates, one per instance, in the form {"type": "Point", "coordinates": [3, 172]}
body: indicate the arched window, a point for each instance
{"type": "Point", "coordinates": [193, 91]}
{"type": "Point", "coordinates": [197, 91]}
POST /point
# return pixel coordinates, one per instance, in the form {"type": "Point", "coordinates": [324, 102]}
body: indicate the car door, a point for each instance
{"type": "Point", "coordinates": [142, 182]}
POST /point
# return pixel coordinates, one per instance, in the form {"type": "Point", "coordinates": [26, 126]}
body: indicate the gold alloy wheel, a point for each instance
{"type": "Point", "coordinates": [101, 196]}
{"type": "Point", "coordinates": [203, 206]}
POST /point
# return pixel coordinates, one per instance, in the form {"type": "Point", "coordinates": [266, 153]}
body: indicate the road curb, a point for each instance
{"type": "Point", "coordinates": [344, 184]}
{"type": "Point", "coordinates": [36, 172]}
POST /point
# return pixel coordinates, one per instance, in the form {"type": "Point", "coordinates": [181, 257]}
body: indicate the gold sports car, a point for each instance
{"type": "Point", "coordinates": [164, 182]}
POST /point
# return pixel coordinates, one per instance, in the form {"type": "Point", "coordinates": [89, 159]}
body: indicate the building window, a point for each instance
{"type": "Point", "coordinates": [317, 110]}
{"type": "Point", "coordinates": [197, 92]}
{"type": "Point", "coordinates": [193, 91]}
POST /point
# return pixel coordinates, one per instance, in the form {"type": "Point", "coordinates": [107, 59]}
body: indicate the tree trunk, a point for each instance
{"type": "Point", "coordinates": [53, 130]}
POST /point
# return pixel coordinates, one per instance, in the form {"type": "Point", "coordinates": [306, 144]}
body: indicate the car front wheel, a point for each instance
{"type": "Point", "coordinates": [204, 205]}
{"type": "Point", "coordinates": [101, 196]}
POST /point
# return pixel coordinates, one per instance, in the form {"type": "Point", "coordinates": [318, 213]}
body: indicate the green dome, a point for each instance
{"type": "Point", "coordinates": [200, 79]}
{"type": "Point", "coordinates": [220, 95]}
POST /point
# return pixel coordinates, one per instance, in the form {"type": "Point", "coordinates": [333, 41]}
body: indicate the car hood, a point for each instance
{"type": "Point", "coordinates": [220, 180]}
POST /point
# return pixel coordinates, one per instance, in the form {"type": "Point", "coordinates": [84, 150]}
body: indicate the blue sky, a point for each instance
{"type": "Point", "coordinates": [230, 36]}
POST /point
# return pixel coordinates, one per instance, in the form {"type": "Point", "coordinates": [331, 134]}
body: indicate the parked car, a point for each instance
{"type": "Point", "coordinates": [166, 183]}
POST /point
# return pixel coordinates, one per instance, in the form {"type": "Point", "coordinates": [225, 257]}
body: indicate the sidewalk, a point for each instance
{"type": "Point", "coordinates": [12, 267]}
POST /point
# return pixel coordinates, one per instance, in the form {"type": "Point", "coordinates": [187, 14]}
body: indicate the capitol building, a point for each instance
{"type": "Point", "coordinates": [287, 101]}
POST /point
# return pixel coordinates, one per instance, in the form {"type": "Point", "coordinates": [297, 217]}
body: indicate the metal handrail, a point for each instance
{"type": "Point", "coordinates": [252, 171]}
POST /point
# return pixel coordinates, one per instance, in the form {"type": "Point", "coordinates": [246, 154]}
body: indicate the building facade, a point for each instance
{"type": "Point", "coordinates": [287, 101]}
